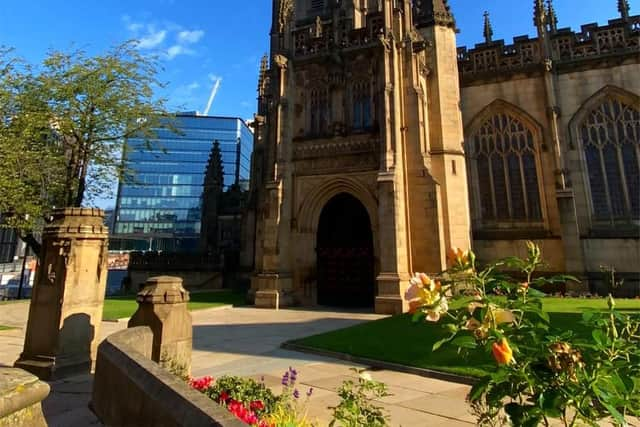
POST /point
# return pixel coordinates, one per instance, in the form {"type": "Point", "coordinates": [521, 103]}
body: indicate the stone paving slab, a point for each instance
{"type": "Point", "coordinates": [246, 341]}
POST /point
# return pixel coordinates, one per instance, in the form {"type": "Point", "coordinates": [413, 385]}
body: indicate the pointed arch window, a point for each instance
{"type": "Point", "coordinates": [361, 101]}
{"type": "Point", "coordinates": [318, 111]}
{"type": "Point", "coordinates": [609, 135]}
{"type": "Point", "coordinates": [504, 170]}
{"type": "Point", "coordinates": [316, 5]}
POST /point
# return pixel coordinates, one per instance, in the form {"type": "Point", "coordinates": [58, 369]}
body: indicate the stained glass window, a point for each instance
{"type": "Point", "coordinates": [503, 151]}
{"type": "Point", "coordinates": [361, 106]}
{"type": "Point", "coordinates": [319, 111]}
{"type": "Point", "coordinates": [610, 139]}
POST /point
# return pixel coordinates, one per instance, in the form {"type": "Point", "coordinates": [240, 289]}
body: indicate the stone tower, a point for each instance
{"type": "Point", "coordinates": [359, 175]}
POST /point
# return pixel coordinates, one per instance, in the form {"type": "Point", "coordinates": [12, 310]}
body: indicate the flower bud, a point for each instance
{"type": "Point", "coordinates": [502, 352]}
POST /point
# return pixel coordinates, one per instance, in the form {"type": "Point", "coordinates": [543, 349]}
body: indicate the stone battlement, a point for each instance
{"type": "Point", "coordinates": [568, 48]}
{"type": "Point", "coordinates": [318, 38]}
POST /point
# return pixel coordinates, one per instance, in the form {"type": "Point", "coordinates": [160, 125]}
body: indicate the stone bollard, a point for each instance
{"type": "Point", "coordinates": [163, 308]}
{"type": "Point", "coordinates": [21, 394]}
{"type": "Point", "coordinates": [68, 296]}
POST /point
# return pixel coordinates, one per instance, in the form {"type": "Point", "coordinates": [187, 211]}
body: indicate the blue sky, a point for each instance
{"type": "Point", "coordinates": [200, 41]}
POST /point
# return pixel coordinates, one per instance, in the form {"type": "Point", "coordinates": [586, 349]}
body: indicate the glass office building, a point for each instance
{"type": "Point", "coordinates": [159, 204]}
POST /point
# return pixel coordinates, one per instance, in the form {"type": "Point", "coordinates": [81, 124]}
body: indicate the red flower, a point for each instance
{"type": "Point", "coordinates": [201, 384]}
{"type": "Point", "coordinates": [223, 397]}
{"type": "Point", "coordinates": [256, 405]}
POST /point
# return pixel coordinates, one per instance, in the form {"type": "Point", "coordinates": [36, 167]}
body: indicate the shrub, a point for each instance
{"type": "Point", "coordinates": [248, 392]}
{"type": "Point", "coordinates": [255, 404]}
{"type": "Point", "coordinates": [542, 373]}
{"type": "Point", "coordinates": [356, 407]}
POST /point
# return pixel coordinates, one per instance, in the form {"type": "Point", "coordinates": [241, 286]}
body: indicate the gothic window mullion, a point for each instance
{"type": "Point", "coordinates": [603, 169]}
{"type": "Point", "coordinates": [525, 193]}
{"type": "Point", "coordinates": [507, 184]}
{"type": "Point", "coordinates": [623, 178]}
{"type": "Point", "coordinates": [492, 187]}
{"type": "Point", "coordinates": [612, 120]}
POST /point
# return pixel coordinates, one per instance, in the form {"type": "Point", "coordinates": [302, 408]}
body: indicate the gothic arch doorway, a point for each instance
{"type": "Point", "coordinates": [345, 259]}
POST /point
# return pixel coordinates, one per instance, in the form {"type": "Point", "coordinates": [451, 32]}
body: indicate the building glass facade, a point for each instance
{"type": "Point", "coordinates": [159, 205]}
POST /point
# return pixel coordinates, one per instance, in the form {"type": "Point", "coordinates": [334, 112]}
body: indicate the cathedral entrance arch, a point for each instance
{"type": "Point", "coordinates": [345, 254]}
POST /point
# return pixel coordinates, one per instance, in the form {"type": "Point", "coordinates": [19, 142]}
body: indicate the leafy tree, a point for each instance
{"type": "Point", "coordinates": [63, 128]}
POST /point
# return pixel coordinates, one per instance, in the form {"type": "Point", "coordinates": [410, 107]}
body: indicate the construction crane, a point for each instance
{"type": "Point", "coordinates": [214, 91]}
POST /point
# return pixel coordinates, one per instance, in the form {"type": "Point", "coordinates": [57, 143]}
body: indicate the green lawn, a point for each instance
{"type": "Point", "coordinates": [397, 339]}
{"type": "Point", "coordinates": [121, 307]}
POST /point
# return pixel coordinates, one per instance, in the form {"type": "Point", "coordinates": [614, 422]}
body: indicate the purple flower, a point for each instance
{"type": "Point", "coordinates": [293, 375]}
{"type": "Point", "coordinates": [285, 379]}
{"type": "Point", "coordinates": [296, 394]}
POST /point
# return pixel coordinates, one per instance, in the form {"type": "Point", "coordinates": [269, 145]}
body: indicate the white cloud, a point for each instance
{"type": "Point", "coordinates": [152, 39]}
{"type": "Point", "coordinates": [188, 37]}
{"type": "Point", "coordinates": [213, 77]}
{"type": "Point", "coordinates": [153, 36]}
{"type": "Point", "coordinates": [134, 27]}
{"type": "Point", "coordinates": [177, 50]}
{"type": "Point", "coordinates": [193, 86]}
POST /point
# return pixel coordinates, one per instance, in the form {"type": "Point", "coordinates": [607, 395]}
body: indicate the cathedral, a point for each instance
{"type": "Point", "coordinates": [379, 145]}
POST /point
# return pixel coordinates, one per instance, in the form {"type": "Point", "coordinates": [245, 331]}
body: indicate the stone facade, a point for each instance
{"type": "Point", "coordinates": [358, 98]}
{"type": "Point", "coordinates": [370, 99]}
{"type": "Point", "coordinates": [578, 95]}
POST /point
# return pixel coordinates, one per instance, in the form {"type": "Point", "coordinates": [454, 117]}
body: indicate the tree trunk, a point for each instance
{"type": "Point", "coordinates": [32, 243]}
{"type": "Point", "coordinates": [82, 180]}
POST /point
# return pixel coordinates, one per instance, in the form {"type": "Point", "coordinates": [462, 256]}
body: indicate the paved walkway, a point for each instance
{"type": "Point", "coordinates": [246, 341]}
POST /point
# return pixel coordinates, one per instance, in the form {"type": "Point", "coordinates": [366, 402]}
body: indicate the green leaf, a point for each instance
{"type": "Point", "coordinates": [536, 293]}
{"type": "Point", "coordinates": [614, 412]}
{"type": "Point", "coordinates": [451, 327]}
{"type": "Point", "coordinates": [587, 316]}
{"type": "Point", "coordinates": [479, 389]}
{"type": "Point", "coordinates": [600, 337]}
{"type": "Point", "coordinates": [417, 316]}
{"type": "Point", "coordinates": [515, 412]}
{"type": "Point", "coordinates": [465, 341]}
{"type": "Point", "coordinates": [552, 403]}
{"type": "Point", "coordinates": [440, 343]}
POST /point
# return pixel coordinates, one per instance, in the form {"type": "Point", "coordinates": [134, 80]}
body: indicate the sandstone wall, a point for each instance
{"type": "Point", "coordinates": [131, 390]}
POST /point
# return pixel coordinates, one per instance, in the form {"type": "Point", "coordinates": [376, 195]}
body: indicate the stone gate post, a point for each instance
{"type": "Point", "coordinates": [163, 308]}
{"type": "Point", "coordinates": [68, 295]}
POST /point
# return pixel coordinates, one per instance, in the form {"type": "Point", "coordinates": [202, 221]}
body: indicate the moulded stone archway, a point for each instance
{"type": "Point", "coordinates": [308, 220]}
{"type": "Point", "coordinates": [344, 254]}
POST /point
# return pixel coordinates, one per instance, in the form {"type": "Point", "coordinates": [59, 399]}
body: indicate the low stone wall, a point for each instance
{"type": "Point", "coordinates": [21, 394]}
{"type": "Point", "coordinates": [129, 389]}
{"type": "Point", "coordinates": [192, 280]}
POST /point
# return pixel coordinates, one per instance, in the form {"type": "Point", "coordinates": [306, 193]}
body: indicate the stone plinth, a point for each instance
{"type": "Point", "coordinates": [163, 308]}
{"type": "Point", "coordinates": [271, 291]}
{"type": "Point", "coordinates": [68, 295]}
{"type": "Point", "coordinates": [20, 397]}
